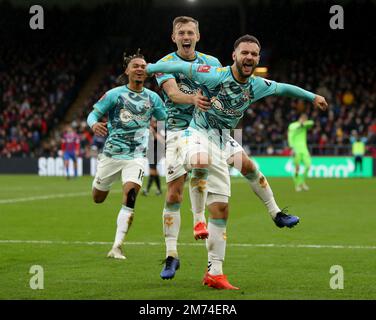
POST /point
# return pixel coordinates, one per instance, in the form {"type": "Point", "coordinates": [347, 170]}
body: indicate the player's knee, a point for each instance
{"type": "Point", "coordinates": [218, 206]}
{"type": "Point", "coordinates": [174, 197]}
{"type": "Point", "coordinates": [223, 209]}
{"type": "Point", "coordinates": [131, 198]}
{"type": "Point", "coordinates": [247, 166]}
{"type": "Point", "coordinates": [99, 197]}
{"type": "Point", "coordinates": [219, 211]}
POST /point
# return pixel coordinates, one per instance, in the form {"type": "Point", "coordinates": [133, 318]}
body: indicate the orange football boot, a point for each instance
{"type": "Point", "coordinates": [218, 282]}
{"type": "Point", "coordinates": [200, 231]}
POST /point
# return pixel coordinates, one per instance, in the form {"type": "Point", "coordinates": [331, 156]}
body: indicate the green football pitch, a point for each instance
{"type": "Point", "coordinates": [53, 223]}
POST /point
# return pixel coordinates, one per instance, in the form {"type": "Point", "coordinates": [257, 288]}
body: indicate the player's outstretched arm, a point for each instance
{"type": "Point", "coordinates": [170, 67]}
{"type": "Point", "coordinates": [288, 90]}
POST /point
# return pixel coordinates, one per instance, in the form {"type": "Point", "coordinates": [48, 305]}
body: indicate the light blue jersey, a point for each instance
{"type": "Point", "coordinates": [180, 115]}
{"type": "Point", "coordinates": [129, 114]}
{"type": "Point", "coordinates": [229, 98]}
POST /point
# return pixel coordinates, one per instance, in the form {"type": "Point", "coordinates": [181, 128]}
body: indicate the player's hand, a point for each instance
{"type": "Point", "coordinates": [201, 102]}
{"type": "Point", "coordinates": [320, 102]}
{"type": "Point", "coordinates": [100, 129]}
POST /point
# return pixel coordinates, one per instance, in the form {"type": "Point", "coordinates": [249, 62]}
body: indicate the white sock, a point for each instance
{"type": "Point", "coordinates": [124, 221]}
{"type": "Point", "coordinates": [261, 187]}
{"type": "Point", "coordinates": [198, 193]}
{"type": "Point", "coordinates": [171, 227]}
{"type": "Point", "coordinates": [216, 245]}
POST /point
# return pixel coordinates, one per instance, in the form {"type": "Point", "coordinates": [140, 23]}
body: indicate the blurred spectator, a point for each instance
{"type": "Point", "coordinates": [40, 78]}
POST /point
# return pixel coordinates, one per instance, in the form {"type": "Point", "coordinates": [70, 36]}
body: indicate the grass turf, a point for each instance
{"type": "Point", "coordinates": [334, 212]}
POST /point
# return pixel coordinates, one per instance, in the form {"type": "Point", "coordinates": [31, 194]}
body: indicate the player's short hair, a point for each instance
{"type": "Point", "coordinates": [128, 59]}
{"type": "Point", "coordinates": [122, 79]}
{"type": "Point", "coordinates": [183, 19]}
{"type": "Point", "coordinates": [246, 38]}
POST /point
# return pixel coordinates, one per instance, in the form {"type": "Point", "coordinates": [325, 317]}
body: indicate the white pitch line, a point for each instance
{"type": "Point", "coordinates": [46, 197]}
{"type": "Point", "coordinates": [64, 195]}
{"type": "Point", "coordinates": [50, 196]}
{"type": "Point", "coordinates": [247, 245]}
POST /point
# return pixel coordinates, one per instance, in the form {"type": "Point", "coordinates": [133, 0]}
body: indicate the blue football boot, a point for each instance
{"type": "Point", "coordinates": [171, 265]}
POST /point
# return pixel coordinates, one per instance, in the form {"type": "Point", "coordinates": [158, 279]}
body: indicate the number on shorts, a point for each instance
{"type": "Point", "coordinates": [141, 175]}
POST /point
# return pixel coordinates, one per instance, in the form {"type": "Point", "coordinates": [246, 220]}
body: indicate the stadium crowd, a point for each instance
{"type": "Point", "coordinates": [350, 91]}
{"type": "Point", "coordinates": [38, 82]}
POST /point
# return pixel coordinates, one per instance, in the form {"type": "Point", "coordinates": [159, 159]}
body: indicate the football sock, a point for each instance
{"type": "Point", "coordinates": [261, 187]}
{"type": "Point", "coordinates": [171, 227]}
{"type": "Point", "coordinates": [198, 193]}
{"type": "Point", "coordinates": [124, 221]}
{"type": "Point", "coordinates": [216, 245]}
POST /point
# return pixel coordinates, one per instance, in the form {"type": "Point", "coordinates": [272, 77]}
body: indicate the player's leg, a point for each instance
{"type": "Point", "coordinates": [124, 219]}
{"type": "Point", "coordinates": [66, 163]}
{"type": "Point", "coordinates": [256, 179]}
{"type": "Point", "coordinates": [175, 179]}
{"type": "Point", "coordinates": [297, 178]}
{"type": "Point", "coordinates": [171, 226]}
{"type": "Point", "coordinates": [198, 192]}
{"type": "Point", "coordinates": [74, 159]}
{"type": "Point", "coordinates": [108, 170]}
{"type": "Point", "coordinates": [306, 158]}
{"type": "Point", "coordinates": [216, 243]}
{"type": "Point", "coordinates": [217, 202]}
{"type": "Point", "coordinates": [356, 164]}
{"type": "Point", "coordinates": [131, 176]}
{"type": "Point", "coordinates": [158, 182]}
{"type": "Point", "coordinates": [98, 195]}
{"type": "Point", "coordinates": [198, 159]}
{"type": "Point", "coordinates": [151, 178]}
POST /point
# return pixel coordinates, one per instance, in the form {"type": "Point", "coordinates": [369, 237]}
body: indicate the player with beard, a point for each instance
{"type": "Point", "coordinates": [231, 90]}
{"type": "Point", "coordinates": [182, 95]}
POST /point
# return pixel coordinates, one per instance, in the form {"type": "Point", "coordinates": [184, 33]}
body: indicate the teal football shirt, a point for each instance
{"type": "Point", "coordinates": [129, 114]}
{"type": "Point", "coordinates": [180, 115]}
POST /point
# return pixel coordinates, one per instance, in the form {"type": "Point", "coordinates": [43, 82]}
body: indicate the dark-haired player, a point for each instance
{"type": "Point", "coordinates": [129, 108]}
{"type": "Point", "coordinates": [182, 94]}
{"type": "Point", "coordinates": [231, 90]}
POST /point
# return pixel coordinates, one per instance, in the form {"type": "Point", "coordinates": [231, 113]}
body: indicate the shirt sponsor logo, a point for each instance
{"type": "Point", "coordinates": [204, 68]}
